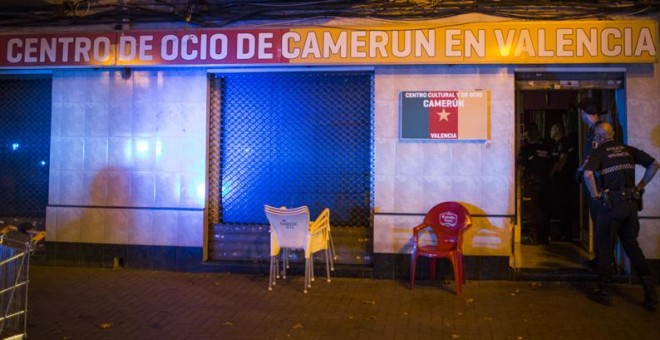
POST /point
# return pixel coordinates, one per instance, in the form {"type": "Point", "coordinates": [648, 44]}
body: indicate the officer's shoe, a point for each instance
{"type": "Point", "coordinates": [589, 264]}
{"type": "Point", "coordinates": [650, 305]}
{"type": "Point", "coordinates": [601, 296]}
{"type": "Point", "coordinates": [650, 296]}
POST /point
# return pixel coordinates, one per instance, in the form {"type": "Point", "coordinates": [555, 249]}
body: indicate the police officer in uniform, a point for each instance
{"type": "Point", "coordinates": [562, 180]}
{"type": "Point", "coordinates": [535, 160]}
{"type": "Point", "coordinates": [618, 200]}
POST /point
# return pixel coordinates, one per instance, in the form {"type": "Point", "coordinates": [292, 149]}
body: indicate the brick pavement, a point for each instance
{"type": "Point", "coordinates": [84, 303]}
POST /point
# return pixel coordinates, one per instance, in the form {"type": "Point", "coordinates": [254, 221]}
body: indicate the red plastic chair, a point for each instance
{"type": "Point", "coordinates": [447, 221]}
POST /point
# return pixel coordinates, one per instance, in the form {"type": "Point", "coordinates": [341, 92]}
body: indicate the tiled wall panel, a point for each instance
{"type": "Point", "coordinates": [643, 96]}
{"type": "Point", "coordinates": [128, 157]}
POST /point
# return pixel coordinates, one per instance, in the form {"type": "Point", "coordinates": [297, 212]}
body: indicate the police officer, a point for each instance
{"type": "Point", "coordinates": [535, 160]}
{"type": "Point", "coordinates": [562, 180]}
{"type": "Point", "coordinates": [618, 202]}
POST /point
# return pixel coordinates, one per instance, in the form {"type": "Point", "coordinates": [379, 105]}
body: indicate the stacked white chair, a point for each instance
{"type": "Point", "coordinates": [291, 229]}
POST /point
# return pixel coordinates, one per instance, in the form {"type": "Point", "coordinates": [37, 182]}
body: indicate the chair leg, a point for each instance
{"type": "Point", "coordinates": [307, 282]}
{"type": "Point", "coordinates": [413, 267]}
{"type": "Point", "coordinates": [458, 278]}
{"type": "Point", "coordinates": [311, 269]}
{"type": "Point", "coordinates": [273, 272]}
{"type": "Point", "coordinates": [328, 261]}
{"type": "Point", "coordinates": [461, 266]}
{"type": "Point", "coordinates": [332, 249]}
{"type": "Point", "coordinates": [332, 252]}
{"type": "Point", "coordinates": [285, 262]}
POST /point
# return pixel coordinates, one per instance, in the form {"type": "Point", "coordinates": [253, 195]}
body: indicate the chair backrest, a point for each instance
{"type": "Point", "coordinates": [448, 220]}
{"type": "Point", "coordinates": [291, 225]}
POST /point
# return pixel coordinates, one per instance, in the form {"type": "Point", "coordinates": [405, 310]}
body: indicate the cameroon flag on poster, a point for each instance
{"type": "Point", "coordinates": [445, 115]}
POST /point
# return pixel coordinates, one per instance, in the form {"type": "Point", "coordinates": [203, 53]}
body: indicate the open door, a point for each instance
{"type": "Point", "coordinates": [547, 98]}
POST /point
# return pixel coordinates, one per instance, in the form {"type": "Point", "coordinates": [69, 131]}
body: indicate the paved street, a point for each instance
{"type": "Point", "coordinates": [83, 303]}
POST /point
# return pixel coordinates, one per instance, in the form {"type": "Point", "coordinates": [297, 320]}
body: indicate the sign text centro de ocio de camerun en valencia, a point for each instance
{"type": "Point", "coordinates": [575, 42]}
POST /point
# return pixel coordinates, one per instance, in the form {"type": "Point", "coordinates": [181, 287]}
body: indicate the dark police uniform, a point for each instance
{"type": "Point", "coordinates": [536, 159]}
{"type": "Point", "coordinates": [565, 189]}
{"type": "Point", "coordinates": [617, 209]}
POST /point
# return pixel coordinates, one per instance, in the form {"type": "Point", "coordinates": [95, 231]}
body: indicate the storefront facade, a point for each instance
{"type": "Point", "coordinates": [131, 161]}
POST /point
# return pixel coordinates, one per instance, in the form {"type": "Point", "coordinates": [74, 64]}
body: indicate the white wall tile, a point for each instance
{"type": "Point", "coordinates": [71, 153]}
{"type": "Point", "coordinates": [72, 189]}
{"type": "Point", "coordinates": [142, 231]}
{"type": "Point", "coordinates": [385, 159]}
{"type": "Point", "coordinates": [192, 190]}
{"type": "Point", "coordinates": [437, 160]}
{"type": "Point", "coordinates": [120, 152]}
{"type": "Point", "coordinates": [92, 229]}
{"type": "Point", "coordinates": [72, 118]}
{"type": "Point", "coordinates": [56, 144]}
{"type": "Point", "coordinates": [54, 187]}
{"type": "Point", "coordinates": [96, 153]}
{"type": "Point", "coordinates": [190, 228]}
{"type": "Point", "coordinates": [412, 199]}
{"type": "Point", "coordinates": [393, 234]}
{"type": "Point", "coordinates": [118, 226]}
{"type": "Point", "coordinates": [69, 222]}
{"type": "Point", "coordinates": [384, 193]}
{"type": "Point", "coordinates": [191, 157]}
{"type": "Point", "coordinates": [120, 118]}
{"type": "Point", "coordinates": [165, 227]}
{"type": "Point", "coordinates": [168, 190]}
{"type": "Point", "coordinates": [466, 159]}
{"type": "Point", "coordinates": [409, 158]}
{"type": "Point", "coordinates": [119, 188]}
{"type": "Point", "coordinates": [96, 188]}
{"type": "Point", "coordinates": [145, 118]}
{"type": "Point", "coordinates": [387, 126]}
{"type": "Point", "coordinates": [97, 119]}
{"type": "Point", "coordinates": [167, 158]}
{"type": "Point", "coordinates": [144, 153]}
{"type": "Point", "coordinates": [120, 90]}
{"type": "Point", "coordinates": [143, 189]}
{"type": "Point", "coordinates": [58, 110]}
{"type": "Point", "coordinates": [51, 224]}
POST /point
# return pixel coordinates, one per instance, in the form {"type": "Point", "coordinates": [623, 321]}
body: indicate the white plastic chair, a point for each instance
{"type": "Point", "coordinates": [291, 229]}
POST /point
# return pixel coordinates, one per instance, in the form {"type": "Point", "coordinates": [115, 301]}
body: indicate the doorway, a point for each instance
{"type": "Point", "coordinates": [549, 99]}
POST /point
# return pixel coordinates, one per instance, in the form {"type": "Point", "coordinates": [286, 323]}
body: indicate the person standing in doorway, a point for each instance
{"type": "Point", "coordinates": [617, 201]}
{"type": "Point", "coordinates": [534, 158]}
{"type": "Point", "coordinates": [562, 181]}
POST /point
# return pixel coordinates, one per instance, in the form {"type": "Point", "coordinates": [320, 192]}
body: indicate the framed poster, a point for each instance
{"type": "Point", "coordinates": [444, 115]}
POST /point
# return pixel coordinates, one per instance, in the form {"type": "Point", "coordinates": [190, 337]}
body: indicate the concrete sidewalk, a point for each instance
{"type": "Point", "coordinates": [84, 303]}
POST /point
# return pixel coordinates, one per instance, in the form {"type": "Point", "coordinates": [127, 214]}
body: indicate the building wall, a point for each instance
{"type": "Point", "coordinates": [128, 157]}
{"type": "Point", "coordinates": [643, 101]}
{"type": "Point", "coordinates": [413, 176]}
{"type": "Point", "coordinates": [106, 188]}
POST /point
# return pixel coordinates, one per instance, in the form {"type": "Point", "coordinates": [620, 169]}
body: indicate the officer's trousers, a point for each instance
{"type": "Point", "coordinates": [535, 206]}
{"type": "Point", "coordinates": [618, 218]}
